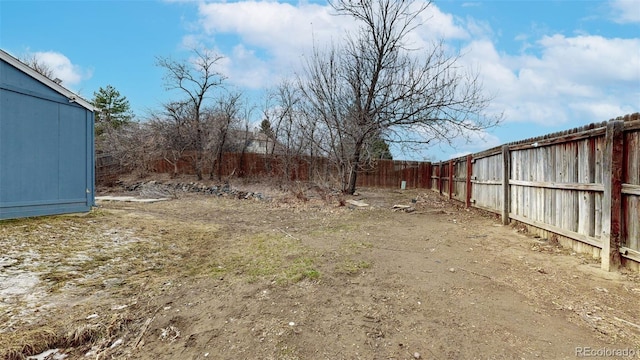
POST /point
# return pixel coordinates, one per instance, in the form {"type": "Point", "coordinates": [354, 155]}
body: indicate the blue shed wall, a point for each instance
{"type": "Point", "coordinates": [46, 149]}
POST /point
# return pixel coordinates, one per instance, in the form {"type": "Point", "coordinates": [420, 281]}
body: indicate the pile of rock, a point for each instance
{"type": "Point", "coordinates": [158, 189]}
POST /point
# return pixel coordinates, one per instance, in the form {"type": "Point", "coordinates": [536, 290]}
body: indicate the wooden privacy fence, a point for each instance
{"type": "Point", "coordinates": [107, 169]}
{"type": "Point", "coordinates": [382, 173]}
{"type": "Point", "coordinates": [390, 173]}
{"type": "Point", "coordinates": [581, 185]}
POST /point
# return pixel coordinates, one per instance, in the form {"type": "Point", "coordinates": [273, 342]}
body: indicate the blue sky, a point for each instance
{"type": "Point", "coordinates": [550, 65]}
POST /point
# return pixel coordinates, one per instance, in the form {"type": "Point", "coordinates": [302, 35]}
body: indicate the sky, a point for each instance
{"type": "Point", "coordinates": [548, 65]}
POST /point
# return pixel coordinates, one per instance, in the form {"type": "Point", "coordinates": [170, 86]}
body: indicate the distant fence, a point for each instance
{"type": "Point", "coordinates": [108, 169]}
{"type": "Point", "coordinates": [581, 185]}
{"type": "Point", "coordinates": [391, 174]}
{"type": "Point", "coordinates": [383, 173]}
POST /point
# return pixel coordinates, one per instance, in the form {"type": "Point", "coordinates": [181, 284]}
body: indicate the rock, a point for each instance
{"type": "Point", "coordinates": [157, 188]}
{"type": "Point", "coordinates": [416, 355]}
{"type": "Point", "coordinates": [401, 207]}
{"type": "Point", "coordinates": [116, 343]}
{"type": "Point", "coordinates": [357, 203]}
{"type": "Point", "coordinates": [113, 282]}
{"type": "Point", "coordinates": [405, 208]}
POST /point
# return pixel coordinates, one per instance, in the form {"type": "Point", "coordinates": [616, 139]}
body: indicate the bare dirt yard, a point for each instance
{"type": "Point", "coordinates": [303, 274]}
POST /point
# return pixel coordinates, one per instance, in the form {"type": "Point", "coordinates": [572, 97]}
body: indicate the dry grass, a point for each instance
{"type": "Point", "coordinates": [83, 336]}
{"type": "Point", "coordinates": [124, 254]}
{"type": "Point", "coordinates": [120, 251]}
{"type": "Point", "coordinates": [352, 267]}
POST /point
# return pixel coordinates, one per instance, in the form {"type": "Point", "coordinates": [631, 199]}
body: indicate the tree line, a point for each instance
{"type": "Point", "coordinates": [353, 98]}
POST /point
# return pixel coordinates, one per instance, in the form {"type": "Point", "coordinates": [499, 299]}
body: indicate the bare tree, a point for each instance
{"type": "Point", "coordinates": [195, 78]}
{"type": "Point", "coordinates": [174, 133]}
{"type": "Point", "coordinates": [374, 86]}
{"type": "Point", "coordinates": [243, 140]}
{"type": "Point", "coordinates": [36, 64]}
{"type": "Point", "coordinates": [284, 124]}
{"type": "Point", "coordinates": [218, 122]}
{"type": "Point", "coordinates": [133, 144]}
{"type": "Point", "coordinates": [325, 107]}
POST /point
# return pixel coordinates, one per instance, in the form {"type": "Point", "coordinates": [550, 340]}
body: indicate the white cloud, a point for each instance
{"type": "Point", "coordinates": [581, 78]}
{"type": "Point", "coordinates": [70, 74]}
{"type": "Point", "coordinates": [247, 68]}
{"type": "Point", "coordinates": [272, 37]}
{"type": "Point", "coordinates": [479, 29]}
{"type": "Point", "coordinates": [599, 110]}
{"type": "Point", "coordinates": [467, 143]}
{"type": "Point", "coordinates": [625, 11]}
{"type": "Point", "coordinates": [279, 27]}
{"type": "Point", "coordinates": [192, 41]}
{"type": "Point", "coordinates": [437, 25]}
{"type": "Point", "coordinates": [592, 59]}
{"type": "Point", "coordinates": [483, 54]}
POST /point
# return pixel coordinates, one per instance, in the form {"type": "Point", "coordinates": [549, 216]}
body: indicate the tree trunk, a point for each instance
{"type": "Point", "coordinates": [198, 165]}
{"type": "Point", "coordinates": [214, 166]}
{"type": "Point", "coordinates": [353, 172]}
{"type": "Point", "coordinates": [219, 165]}
{"type": "Point", "coordinates": [199, 147]}
{"type": "Point", "coordinates": [223, 140]}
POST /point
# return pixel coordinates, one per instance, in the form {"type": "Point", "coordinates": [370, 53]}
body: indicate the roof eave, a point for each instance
{"type": "Point", "coordinates": [46, 81]}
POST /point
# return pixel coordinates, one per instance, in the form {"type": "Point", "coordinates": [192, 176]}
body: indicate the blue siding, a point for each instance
{"type": "Point", "coordinates": [46, 149]}
{"type": "Point", "coordinates": [16, 80]}
{"type": "Point", "coordinates": [29, 145]}
{"type": "Point", "coordinates": [72, 151]}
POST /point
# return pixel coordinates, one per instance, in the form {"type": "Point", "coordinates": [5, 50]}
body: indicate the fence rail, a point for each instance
{"type": "Point", "coordinates": [581, 185]}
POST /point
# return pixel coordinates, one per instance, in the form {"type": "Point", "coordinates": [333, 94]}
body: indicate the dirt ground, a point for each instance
{"type": "Point", "coordinates": [297, 275]}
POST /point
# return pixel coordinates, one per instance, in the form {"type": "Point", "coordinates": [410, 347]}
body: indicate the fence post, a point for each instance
{"type": "Point", "coordinates": [451, 179]}
{"type": "Point", "coordinates": [440, 178]}
{"type": "Point", "coordinates": [612, 199]}
{"type": "Point", "coordinates": [506, 191]}
{"type": "Point", "coordinates": [469, 173]}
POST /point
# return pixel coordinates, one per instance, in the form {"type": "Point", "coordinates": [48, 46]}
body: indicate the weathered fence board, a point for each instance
{"type": "Point", "coordinates": [631, 191]}
{"type": "Point", "coordinates": [445, 178]}
{"type": "Point", "coordinates": [460, 180]}
{"type": "Point", "coordinates": [486, 185]}
{"type": "Point", "coordinates": [573, 184]}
